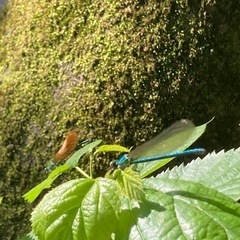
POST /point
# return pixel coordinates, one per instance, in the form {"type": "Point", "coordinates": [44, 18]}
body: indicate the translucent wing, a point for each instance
{"type": "Point", "coordinates": [169, 140]}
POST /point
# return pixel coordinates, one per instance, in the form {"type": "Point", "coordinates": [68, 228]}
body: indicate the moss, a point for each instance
{"type": "Point", "coordinates": [112, 70]}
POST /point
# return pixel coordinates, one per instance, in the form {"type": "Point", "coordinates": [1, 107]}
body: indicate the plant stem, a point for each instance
{"type": "Point", "coordinates": [82, 172]}
{"type": "Point", "coordinates": [90, 164]}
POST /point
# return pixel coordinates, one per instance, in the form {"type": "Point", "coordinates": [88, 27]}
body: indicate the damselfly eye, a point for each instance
{"type": "Point", "coordinates": [68, 146]}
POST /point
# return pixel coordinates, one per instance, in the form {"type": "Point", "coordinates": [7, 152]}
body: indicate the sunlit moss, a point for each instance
{"type": "Point", "coordinates": [112, 70]}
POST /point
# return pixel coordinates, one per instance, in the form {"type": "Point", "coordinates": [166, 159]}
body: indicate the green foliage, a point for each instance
{"type": "Point", "coordinates": [118, 71]}
{"type": "Point", "coordinates": [33, 194]}
{"type": "Point", "coordinates": [95, 207]}
{"type": "Point", "coordinates": [133, 190]}
{"type": "Point", "coordinates": [129, 183]}
{"type": "Point", "coordinates": [74, 159]}
{"type": "Point", "coordinates": [29, 236]}
{"type": "Point", "coordinates": [218, 170]}
{"type": "Point", "coordinates": [100, 214]}
{"type": "Point", "coordinates": [176, 204]}
{"type": "Point", "coordinates": [111, 148]}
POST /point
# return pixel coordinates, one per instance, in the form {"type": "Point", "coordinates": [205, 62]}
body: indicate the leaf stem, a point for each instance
{"type": "Point", "coordinates": [90, 163]}
{"type": "Point", "coordinates": [82, 172]}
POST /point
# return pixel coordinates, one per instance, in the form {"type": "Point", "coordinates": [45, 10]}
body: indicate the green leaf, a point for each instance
{"type": "Point", "coordinates": [111, 148]}
{"type": "Point", "coordinates": [191, 135]}
{"type": "Point", "coordinates": [26, 238]}
{"type": "Point", "coordinates": [130, 184]}
{"type": "Point", "coordinates": [126, 219]}
{"type": "Point", "coordinates": [177, 209]}
{"type": "Point", "coordinates": [29, 236]}
{"type": "Point", "coordinates": [1, 198]}
{"type": "Point", "coordinates": [78, 209]}
{"type": "Point", "coordinates": [73, 160]}
{"type": "Point", "coordinates": [31, 195]}
{"type": "Point", "coordinates": [217, 170]}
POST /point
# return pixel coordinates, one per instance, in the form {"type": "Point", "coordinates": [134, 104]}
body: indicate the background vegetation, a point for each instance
{"type": "Point", "coordinates": [118, 71]}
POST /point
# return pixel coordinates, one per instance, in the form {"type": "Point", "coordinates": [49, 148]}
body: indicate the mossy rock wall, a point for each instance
{"type": "Point", "coordinates": [119, 71]}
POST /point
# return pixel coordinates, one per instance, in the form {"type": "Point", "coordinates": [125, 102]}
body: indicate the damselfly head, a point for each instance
{"type": "Point", "coordinates": [50, 167]}
{"type": "Point", "coordinates": [113, 164]}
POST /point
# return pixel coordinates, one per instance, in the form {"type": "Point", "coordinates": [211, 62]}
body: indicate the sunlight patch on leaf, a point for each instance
{"type": "Point", "coordinates": [78, 209]}
{"type": "Point", "coordinates": [216, 170]}
{"type": "Point", "coordinates": [111, 148]}
{"type": "Point", "coordinates": [177, 209]}
{"type": "Point", "coordinates": [130, 184]}
{"type": "Point", "coordinates": [73, 160]}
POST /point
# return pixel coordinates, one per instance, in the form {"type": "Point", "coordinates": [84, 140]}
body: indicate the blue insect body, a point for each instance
{"type": "Point", "coordinates": [165, 145]}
